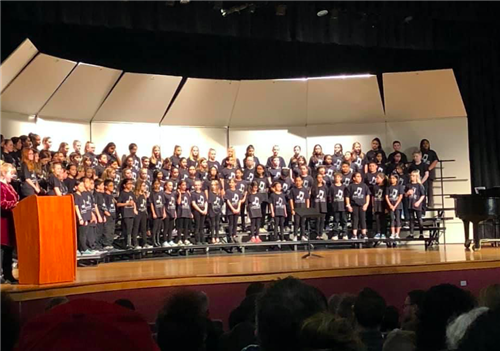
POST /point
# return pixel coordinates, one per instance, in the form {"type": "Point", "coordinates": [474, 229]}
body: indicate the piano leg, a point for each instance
{"type": "Point", "coordinates": [475, 231]}
{"type": "Point", "coordinates": [467, 234]}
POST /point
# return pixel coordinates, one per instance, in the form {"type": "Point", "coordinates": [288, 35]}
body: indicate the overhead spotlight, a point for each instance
{"type": "Point", "coordinates": [251, 8]}
{"type": "Point", "coordinates": [217, 5]}
{"type": "Point", "coordinates": [322, 13]}
{"type": "Point", "coordinates": [234, 9]}
{"type": "Point", "coordinates": [408, 19]}
{"type": "Point", "coordinates": [281, 10]}
{"type": "Point", "coordinates": [184, 2]}
{"type": "Point", "coordinates": [170, 3]}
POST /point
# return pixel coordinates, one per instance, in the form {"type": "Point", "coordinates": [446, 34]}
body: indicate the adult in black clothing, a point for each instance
{"type": "Point", "coordinates": [396, 145]}
{"type": "Point", "coordinates": [431, 159]}
{"type": "Point", "coordinates": [7, 152]}
{"type": "Point", "coordinates": [369, 311]}
{"type": "Point", "coordinates": [483, 334]}
{"type": "Point", "coordinates": [276, 150]}
{"type": "Point", "coordinates": [376, 148]}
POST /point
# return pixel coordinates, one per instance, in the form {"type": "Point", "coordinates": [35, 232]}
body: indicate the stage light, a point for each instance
{"type": "Point", "coordinates": [184, 2]}
{"type": "Point", "coordinates": [322, 13]}
{"type": "Point", "coordinates": [281, 10]}
{"type": "Point", "coordinates": [32, 117]}
{"type": "Point", "coordinates": [237, 9]}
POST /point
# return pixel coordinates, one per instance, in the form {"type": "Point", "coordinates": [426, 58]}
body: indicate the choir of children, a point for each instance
{"type": "Point", "coordinates": [154, 198]}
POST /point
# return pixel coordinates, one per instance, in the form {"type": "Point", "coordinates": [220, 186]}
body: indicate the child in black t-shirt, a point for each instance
{"type": "Point", "coordinates": [254, 211]}
{"type": "Point", "coordinates": [393, 197]}
{"type": "Point", "coordinates": [170, 209]}
{"type": "Point", "coordinates": [319, 194]}
{"type": "Point", "coordinates": [183, 169]}
{"type": "Point", "coordinates": [415, 192]}
{"type": "Point", "coordinates": [54, 183]}
{"type": "Point", "coordinates": [423, 170]}
{"type": "Point", "coordinates": [110, 214]}
{"type": "Point", "coordinates": [96, 217]}
{"type": "Point", "coordinates": [158, 212]}
{"type": "Point", "coordinates": [378, 206]}
{"type": "Point", "coordinates": [299, 198]}
{"type": "Point", "coordinates": [277, 202]}
{"type": "Point", "coordinates": [263, 183]}
{"type": "Point", "coordinates": [191, 179]}
{"type": "Point", "coordinates": [200, 209]}
{"type": "Point", "coordinates": [346, 173]}
{"type": "Point", "coordinates": [336, 196]}
{"type": "Point", "coordinates": [83, 218]}
{"type": "Point", "coordinates": [215, 203]}
{"type": "Point", "coordinates": [242, 187]}
{"type": "Point", "coordinates": [141, 220]}
{"type": "Point", "coordinates": [71, 179]}
{"type": "Point", "coordinates": [308, 181]}
{"type": "Point", "coordinates": [184, 213]}
{"type": "Point", "coordinates": [101, 208]}
{"type": "Point", "coordinates": [233, 207]}
{"type": "Point", "coordinates": [357, 201]}
{"type": "Point", "coordinates": [126, 203]}
{"type": "Point", "coordinates": [228, 172]}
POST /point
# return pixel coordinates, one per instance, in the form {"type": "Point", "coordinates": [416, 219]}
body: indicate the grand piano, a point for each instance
{"type": "Point", "coordinates": [478, 208]}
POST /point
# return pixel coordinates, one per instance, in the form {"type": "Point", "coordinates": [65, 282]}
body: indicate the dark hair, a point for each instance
{"type": "Point", "coordinates": [390, 320]}
{"type": "Point", "coordinates": [125, 182]}
{"type": "Point", "coordinates": [422, 143]}
{"type": "Point", "coordinates": [416, 297]}
{"type": "Point", "coordinates": [130, 147]}
{"type": "Point", "coordinates": [285, 172]}
{"type": "Point", "coordinates": [255, 287]}
{"type": "Point", "coordinates": [396, 142]}
{"type": "Point", "coordinates": [125, 303]}
{"type": "Point", "coordinates": [98, 182]}
{"type": "Point", "coordinates": [282, 308]}
{"type": "Point", "coordinates": [107, 181]}
{"type": "Point", "coordinates": [345, 163]}
{"type": "Point", "coordinates": [181, 323]}
{"type": "Point", "coordinates": [379, 143]}
{"type": "Point", "coordinates": [248, 147]}
{"type": "Point", "coordinates": [14, 140]}
{"type": "Point", "coordinates": [441, 303]}
{"type": "Point", "coordinates": [106, 148]}
{"type": "Point", "coordinates": [10, 323]}
{"type": "Point", "coordinates": [483, 333]}
{"type": "Point", "coordinates": [101, 155]}
{"type": "Point", "coordinates": [45, 154]}
{"type": "Point", "coordinates": [144, 158]}
{"type": "Point", "coordinates": [369, 308]}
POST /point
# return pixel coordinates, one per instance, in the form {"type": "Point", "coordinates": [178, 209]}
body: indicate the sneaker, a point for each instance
{"type": "Point", "coordinates": [382, 236]}
{"type": "Point", "coordinates": [324, 236]}
{"type": "Point", "coordinates": [258, 240]}
{"type": "Point", "coordinates": [147, 246]}
{"type": "Point", "coordinates": [363, 237]}
{"type": "Point", "coordinates": [393, 236]}
{"type": "Point", "coordinates": [410, 236]}
{"type": "Point", "coordinates": [278, 241]}
{"type": "Point", "coordinates": [165, 244]}
{"type": "Point", "coordinates": [335, 238]}
{"type": "Point", "coordinates": [78, 253]}
{"type": "Point", "coordinates": [199, 243]}
{"type": "Point", "coordinates": [88, 252]}
{"type": "Point", "coordinates": [253, 241]}
{"type": "Point", "coordinates": [397, 237]}
{"type": "Point", "coordinates": [188, 243]}
{"type": "Point", "coordinates": [138, 247]}
{"type": "Point", "coordinates": [377, 236]}
{"type": "Point", "coordinates": [354, 237]}
{"type": "Point", "coordinates": [262, 230]}
{"type": "Point", "coordinates": [295, 238]}
{"type": "Point", "coordinates": [172, 243]}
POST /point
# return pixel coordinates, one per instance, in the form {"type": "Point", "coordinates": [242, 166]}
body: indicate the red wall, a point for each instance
{"type": "Point", "coordinates": [225, 297]}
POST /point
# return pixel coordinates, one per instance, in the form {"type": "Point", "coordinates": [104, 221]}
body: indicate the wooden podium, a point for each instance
{"type": "Point", "coordinates": [46, 239]}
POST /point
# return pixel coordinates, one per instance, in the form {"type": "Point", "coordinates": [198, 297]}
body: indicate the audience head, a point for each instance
{"type": "Point", "coordinates": [181, 323]}
{"type": "Point", "coordinates": [369, 309]}
{"type": "Point", "coordinates": [490, 297]}
{"type": "Point", "coordinates": [411, 309]}
{"type": "Point", "coordinates": [390, 320]}
{"type": "Point", "coordinates": [56, 301]}
{"type": "Point", "coordinates": [255, 287]}
{"type": "Point", "coordinates": [483, 334]}
{"type": "Point", "coordinates": [17, 142]}
{"type": "Point", "coordinates": [126, 303]}
{"type": "Point", "coordinates": [35, 139]}
{"type": "Point", "coordinates": [282, 308]}
{"type": "Point", "coordinates": [25, 141]}
{"type": "Point", "coordinates": [400, 340]}
{"type": "Point", "coordinates": [10, 323]}
{"type": "Point", "coordinates": [441, 304]}
{"type": "Point", "coordinates": [458, 327]}
{"type": "Point", "coordinates": [325, 331]}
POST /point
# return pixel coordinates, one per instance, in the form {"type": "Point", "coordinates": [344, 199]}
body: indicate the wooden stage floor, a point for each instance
{"type": "Point", "coordinates": [249, 267]}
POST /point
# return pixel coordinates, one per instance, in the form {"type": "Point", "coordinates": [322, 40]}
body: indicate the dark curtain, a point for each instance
{"type": "Point", "coordinates": [195, 41]}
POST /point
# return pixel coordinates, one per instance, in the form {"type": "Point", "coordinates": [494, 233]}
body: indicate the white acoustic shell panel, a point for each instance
{"type": "Point", "coordinates": [422, 95]}
{"type": "Point", "coordinates": [344, 100]}
{"type": "Point", "coordinates": [142, 98]}
{"type": "Point", "coordinates": [270, 103]}
{"type": "Point", "coordinates": [16, 61]}
{"type": "Point", "coordinates": [203, 102]}
{"type": "Point", "coordinates": [36, 84]}
{"type": "Point", "coordinates": [81, 94]}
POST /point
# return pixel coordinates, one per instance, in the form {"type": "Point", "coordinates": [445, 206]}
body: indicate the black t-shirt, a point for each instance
{"type": "Point", "coordinates": [278, 201]}
{"type": "Point", "coordinates": [357, 193]}
{"type": "Point", "coordinates": [183, 174]}
{"type": "Point", "coordinates": [157, 199]}
{"type": "Point", "coordinates": [390, 158]}
{"type": "Point", "coordinates": [249, 174]}
{"type": "Point", "coordinates": [99, 170]}
{"type": "Point", "coordinates": [421, 168]}
{"type": "Point", "coordinates": [175, 161]}
{"type": "Point", "coordinates": [224, 163]}
{"type": "Point", "coordinates": [127, 211]}
{"type": "Point", "coordinates": [190, 184]}
{"type": "Point", "coordinates": [403, 179]}
{"type": "Point", "coordinates": [170, 203]}
{"type": "Point", "coordinates": [215, 164]}
{"type": "Point", "coordinates": [215, 203]}
{"type": "Point", "coordinates": [378, 193]}
{"type": "Point", "coordinates": [110, 204]}
{"type": "Point", "coordinates": [299, 197]}
{"type": "Point", "coordinates": [242, 186]}
{"type": "Point", "coordinates": [199, 198]}
{"type": "Point", "coordinates": [165, 172]}
{"type": "Point", "coordinates": [347, 178]}
{"type": "Point", "coordinates": [308, 182]}
{"type": "Point", "coordinates": [358, 165]}
{"type": "Point", "coordinates": [336, 195]}
{"type": "Point", "coordinates": [393, 192]}
{"type": "Point", "coordinates": [319, 196]}
{"type": "Point", "coordinates": [370, 155]}
{"type": "Point", "coordinates": [337, 161]}
{"type": "Point", "coordinates": [381, 168]}
{"type": "Point", "coordinates": [269, 162]}
{"type": "Point", "coordinates": [418, 191]}
{"type": "Point", "coordinates": [184, 208]}
{"type": "Point", "coordinates": [82, 206]}
{"type": "Point", "coordinates": [253, 206]}
{"type": "Point", "coordinates": [70, 184]}
{"type": "Point", "coordinates": [93, 159]}
{"type": "Point", "coordinates": [232, 197]}
{"type": "Point", "coordinates": [263, 184]}
{"type": "Point", "coordinates": [141, 203]}
{"type": "Point", "coordinates": [27, 174]}
{"type": "Point", "coordinates": [315, 162]}
{"type": "Point", "coordinates": [370, 179]}
{"type": "Point", "coordinates": [428, 157]}
{"type": "Point", "coordinates": [286, 185]}
{"type": "Point", "coordinates": [330, 171]}
{"type": "Point", "coordinates": [192, 163]}
{"type": "Point", "coordinates": [274, 173]}
{"type": "Point", "coordinates": [53, 183]}
{"type": "Point", "coordinates": [100, 202]}
{"type": "Point", "coordinates": [201, 175]}
{"type": "Point", "coordinates": [227, 174]}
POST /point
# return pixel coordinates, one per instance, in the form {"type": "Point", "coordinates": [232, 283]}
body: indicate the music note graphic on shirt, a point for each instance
{"type": "Point", "coordinates": [306, 183]}
{"type": "Point", "coordinates": [300, 197]}
{"type": "Point", "coordinates": [217, 202]}
{"type": "Point", "coordinates": [278, 174]}
{"type": "Point", "coordinates": [242, 187]}
{"type": "Point", "coordinates": [143, 205]}
{"type": "Point", "coordinates": [185, 203]}
{"type": "Point", "coordinates": [262, 186]}
{"type": "Point", "coordinates": [201, 200]}
{"type": "Point", "coordinates": [256, 202]}
{"type": "Point", "coordinates": [358, 193]}
{"type": "Point", "coordinates": [425, 157]}
{"type": "Point", "coordinates": [414, 189]}
{"type": "Point", "coordinates": [339, 195]}
{"type": "Point", "coordinates": [373, 181]}
{"type": "Point", "coordinates": [235, 198]}
{"type": "Point", "coordinates": [321, 194]}
{"type": "Point", "coordinates": [378, 195]}
{"type": "Point", "coordinates": [330, 173]}
{"type": "Point", "coordinates": [250, 177]}
{"type": "Point", "coordinates": [394, 194]}
{"type": "Point", "coordinates": [279, 203]}
{"type": "Point", "coordinates": [158, 201]}
{"type": "Point", "coordinates": [171, 203]}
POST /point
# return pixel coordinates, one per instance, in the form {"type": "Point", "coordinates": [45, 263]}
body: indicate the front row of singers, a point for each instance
{"type": "Point", "coordinates": [197, 208]}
